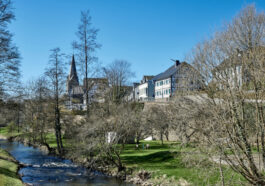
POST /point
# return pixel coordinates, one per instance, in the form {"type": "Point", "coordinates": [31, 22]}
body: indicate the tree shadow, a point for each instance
{"type": "Point", "coordinates": [156, 157]}
{"type": "Point", "coordinates": [8, 173]}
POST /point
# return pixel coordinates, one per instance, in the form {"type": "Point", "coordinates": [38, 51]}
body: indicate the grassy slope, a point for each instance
{"type": "Point", "coordinates": [8, 170]}
{"type": "Point", "coordinates": [161, 160]}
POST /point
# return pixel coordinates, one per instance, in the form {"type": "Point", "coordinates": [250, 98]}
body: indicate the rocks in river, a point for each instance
{"type": "Point", "coordinates": [44, 148]}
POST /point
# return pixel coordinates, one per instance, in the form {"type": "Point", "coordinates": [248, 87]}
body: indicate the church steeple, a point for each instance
{"type": "Point", "coordinates": [73, 73]}
{"type": "Point", "coordinates": [72, 79]}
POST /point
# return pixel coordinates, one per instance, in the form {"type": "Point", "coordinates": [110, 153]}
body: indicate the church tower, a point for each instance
{"type": "Point", "coordinates": [72, 79]}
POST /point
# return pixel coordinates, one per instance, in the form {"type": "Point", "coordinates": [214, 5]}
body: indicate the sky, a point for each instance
{"type": "Point", "coordinates": [146, 33]}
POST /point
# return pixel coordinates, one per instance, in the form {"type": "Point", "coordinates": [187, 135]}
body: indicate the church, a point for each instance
{"type": "Point", "coordinates": [96, 88]}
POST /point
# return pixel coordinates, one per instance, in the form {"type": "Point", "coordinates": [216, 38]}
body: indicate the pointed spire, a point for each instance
{"type": "Point", "coordinates": [73, 73]}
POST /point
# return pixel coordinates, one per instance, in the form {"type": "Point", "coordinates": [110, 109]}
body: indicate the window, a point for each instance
{"type": "Point", "coordinates": [166, 92]}
{"type": "Point", "coordinates": [169, 91]}
{"type": "Point", "coordinates": [161, 83]}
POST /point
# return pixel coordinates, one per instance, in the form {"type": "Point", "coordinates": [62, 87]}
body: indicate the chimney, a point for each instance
{"type": "Point", "coordinates": [177, 62]}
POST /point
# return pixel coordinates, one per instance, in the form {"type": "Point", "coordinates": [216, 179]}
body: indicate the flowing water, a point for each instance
{"type": "Point", "coordinates": [43, 169]}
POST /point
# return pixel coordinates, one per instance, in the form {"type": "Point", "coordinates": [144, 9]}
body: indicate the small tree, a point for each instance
{"type": "Point", "coordinates": [56, 74]}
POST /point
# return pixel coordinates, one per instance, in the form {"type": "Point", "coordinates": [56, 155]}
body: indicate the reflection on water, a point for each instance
{"type": "Point", "coordinates": [43, 169]}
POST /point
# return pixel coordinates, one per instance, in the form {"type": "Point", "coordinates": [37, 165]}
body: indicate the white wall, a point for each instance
{"type": "Point", "coordinates": [143, 93]}
{"type": "Point", "coordinates": [233, 77]}
{"type": "Point", "coordinates": [163, 88]}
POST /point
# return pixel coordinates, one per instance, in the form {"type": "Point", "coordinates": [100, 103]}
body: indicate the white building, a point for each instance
{"type": "Point", "coordinates": [230, 74]}
{"type": "Point", "coordinates": [146, 89]}
{"type": "Point", "coordinates": [181, 76]}
{"type": "Point", "coordinates": [163, 88]}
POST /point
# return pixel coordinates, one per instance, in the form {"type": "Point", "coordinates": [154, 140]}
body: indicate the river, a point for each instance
{"type": "Point", "coordinates": [43, 169]}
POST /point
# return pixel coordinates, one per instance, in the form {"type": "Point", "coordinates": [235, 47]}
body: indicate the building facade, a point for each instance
{"type": "Point", "coordinates": [179, 77]}
{"type": "Point", "coordinates": [163, 88]}
{"type": "Point", "coordinates": [146, 89]}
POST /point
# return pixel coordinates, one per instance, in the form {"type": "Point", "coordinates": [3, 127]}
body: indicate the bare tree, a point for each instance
{"type": "Point", "coordinates": [9, 55]}
{"type": "Point", "coordinates": [56, 74]}
{"type": "Point", "coordinates": [231, 116]}
{"type": "Point", "coordinates": [37, 113]}
{"type": "Point", "coordinates": [102, 136]}
{"type": "Point", "coordinates": [118, 74]}
{"type": "Point", "coordinates": [86, 46]}
{"type": "Point", "coordinates": [157, 118]}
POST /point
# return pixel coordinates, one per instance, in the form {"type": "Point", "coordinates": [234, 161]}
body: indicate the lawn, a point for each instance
{"type": "Point", "coordinates": [4, 131]}
{"type": "Point", "coordinates": [167, 161]}
{"type": "Point", "coordinates": [8, 175]}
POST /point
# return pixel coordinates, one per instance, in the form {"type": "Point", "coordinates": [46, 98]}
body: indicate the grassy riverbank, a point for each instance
{"type": "Point", "coordinates": [168, 163]}
{"type": "Point", "coordinates": [4, 132]}
{"type": "Point", "coordinates": [8, 170]}
{"type": "Point", "coordinates": [171, 163]}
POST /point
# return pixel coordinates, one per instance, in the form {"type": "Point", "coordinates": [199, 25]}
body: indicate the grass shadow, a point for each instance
{"type": "Point", "coordinates": [157, 157]}
{"type": "Point", "coordinates": [8, 173]}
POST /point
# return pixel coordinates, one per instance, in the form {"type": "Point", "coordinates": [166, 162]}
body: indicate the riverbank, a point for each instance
{"type": "Point", "coordinates": [167, 164]}
{"type": "Point", "coordinates": [8, 169]}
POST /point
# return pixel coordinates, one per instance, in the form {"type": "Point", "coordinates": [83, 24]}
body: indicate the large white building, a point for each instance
{"type": "Point", "coordinates": [181, 76]}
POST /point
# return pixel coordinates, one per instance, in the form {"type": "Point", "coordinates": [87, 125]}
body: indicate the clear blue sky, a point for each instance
{"type": "Point", "coordinates": [147, 33]}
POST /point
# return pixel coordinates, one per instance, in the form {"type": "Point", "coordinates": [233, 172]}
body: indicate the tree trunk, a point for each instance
{"type": "Point", "coordinates": [161, 138]}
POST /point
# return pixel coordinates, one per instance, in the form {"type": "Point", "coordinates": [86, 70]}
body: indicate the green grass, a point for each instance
{"type": "Point", "coordinates": [167, 160]}
{"type": "Point", "coordinates": [50, 137]}
{"type": "Point", "coordinates": [4, 132]}
{"type": "Point", "coordinates": [8, 175]}
{"type": "Point", "coordinates": [51, 140]}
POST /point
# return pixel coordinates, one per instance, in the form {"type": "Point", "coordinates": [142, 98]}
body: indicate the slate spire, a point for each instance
{"type": "Point", "coordinates": [72, 79]}
{"type": "Point", "coordinates": [73, 73]}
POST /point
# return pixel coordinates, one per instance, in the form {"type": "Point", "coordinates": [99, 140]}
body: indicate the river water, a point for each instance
{"type": "Point", "coordinates": [43, 169]}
